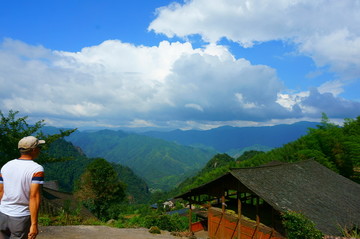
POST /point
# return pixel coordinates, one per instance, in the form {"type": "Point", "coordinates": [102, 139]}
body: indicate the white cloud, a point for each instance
{"type": "Point", "coordinates": [327, 31]}
{"type": "Point", "coordinates": [194, 106]}
{"type": "Point", "coordinates": [172, 84]}
{"type": "Point", "coordinates": [334, 87]}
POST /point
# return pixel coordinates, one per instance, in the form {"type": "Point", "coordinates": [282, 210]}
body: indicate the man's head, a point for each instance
{"type": "Point", "coordinates": [29, 143]}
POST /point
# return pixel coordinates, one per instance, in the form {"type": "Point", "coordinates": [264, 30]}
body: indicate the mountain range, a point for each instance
{"type": "Point", "coordinates": [164, 159]}
{"type": "Point", "coordinates": [161, 163]}
{"type": "Point", "coordinates": [226, 138]}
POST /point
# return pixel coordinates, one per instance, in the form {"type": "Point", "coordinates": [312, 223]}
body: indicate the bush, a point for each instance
{"type": "Point", "coordinates": [64, 219]}
{"type": "Point", "coordinates": [353, 232]}
{"type": "Point", "coordinates": [163, 221]}
{"type": "Point", "coordinates": [45, 220]}
{"type": "Point", "coordinates": [297, 226]}
{"type": "Point", "coordinates": [154, 230]}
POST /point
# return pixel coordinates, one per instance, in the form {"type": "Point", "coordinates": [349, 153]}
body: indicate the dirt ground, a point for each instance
{"type": "Point", "coordinates": [103, 232]}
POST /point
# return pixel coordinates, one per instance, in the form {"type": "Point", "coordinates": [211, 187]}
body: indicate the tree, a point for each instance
{"type": "Point", "coordinates": [297, 226]}
{"type": "Point", "coordinates": [13, 128]}
{"type": "Point", "coordinates": [100, 188]}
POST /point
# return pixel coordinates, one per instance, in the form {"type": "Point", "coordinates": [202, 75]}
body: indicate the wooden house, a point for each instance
{"type": "Point", "coordinates": [258, 195]}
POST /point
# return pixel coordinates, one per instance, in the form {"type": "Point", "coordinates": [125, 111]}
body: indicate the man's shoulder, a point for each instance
{"type": "Point", "coordinates": [38, 166]}
{"type": "Point", "coordinates": [9, 163]}
{"type": "Point", "coordinates": [15, 163]}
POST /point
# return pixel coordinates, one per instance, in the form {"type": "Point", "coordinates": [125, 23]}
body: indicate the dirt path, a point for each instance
{"type": "Point", "coordinates": [99, 232]}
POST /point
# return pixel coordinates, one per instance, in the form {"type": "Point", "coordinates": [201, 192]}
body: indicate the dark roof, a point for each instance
{"type": "Point", "coordinates": [325, 197]}
{"type": "Point", "coordinates": [54, 201]}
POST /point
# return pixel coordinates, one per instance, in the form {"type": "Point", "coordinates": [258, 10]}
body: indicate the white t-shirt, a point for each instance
{"type": "Point", "coordinates": [17, 176]}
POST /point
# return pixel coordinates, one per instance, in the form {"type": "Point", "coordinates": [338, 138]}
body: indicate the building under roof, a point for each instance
{"type": "Point", "coordinates": [54, 201]}
{"type": "Point", "coordinates": [328, 199]}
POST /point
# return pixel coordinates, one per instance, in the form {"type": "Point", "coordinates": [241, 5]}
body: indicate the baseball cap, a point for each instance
{"type": "Point", "coordinates": [29, 142]}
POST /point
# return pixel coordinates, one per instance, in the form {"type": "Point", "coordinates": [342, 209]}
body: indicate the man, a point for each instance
{"type": "Point", "coordinates": [20, 182]}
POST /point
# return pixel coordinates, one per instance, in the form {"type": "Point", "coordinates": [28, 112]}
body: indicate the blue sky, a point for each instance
{"type": "Point", "coordinates": [193, 64]}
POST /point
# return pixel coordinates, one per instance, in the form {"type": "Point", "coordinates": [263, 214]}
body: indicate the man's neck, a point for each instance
{"type": "Point", "coordinates": [26, 157]}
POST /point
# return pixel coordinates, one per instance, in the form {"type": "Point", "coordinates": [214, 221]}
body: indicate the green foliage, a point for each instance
{"type": "Point", "coordinates": [13, 128]}
{"type": "Point", "coordinates": [68, 172]}
{"type": "Point", "coordinates": [337, 148]}
{"type": "Point", "coordinates": [217, 166]}
{"type": "Point", "coordinates": [218, 161]}
{"type": "Point", "coordinates": [167, 222]}
{"type": "Point", "coordinates": [248, 155]}
{"type": "Point", "coordinates": [297, 226]}
{"type": "Point", "coordinates": [136, 187]}
{"type": "Point", "coordinates": [100, 189]}
{"type": "Point", "coordinates": [143, 216]}
{"type": "Point", "coordinates": [65, 219]}
{"type": "Point", "coordinates": [350, 232]}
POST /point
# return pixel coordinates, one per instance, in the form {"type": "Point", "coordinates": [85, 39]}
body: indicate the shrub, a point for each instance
{"type": "Point", "coordinates": [45, 220]}
{"type": "Point", "coordinates": [297, 226]}
{"type": "Point", "coordinates": [353, 232]}
{"type": "Point", "coordinates": [154, 230]}
{"type": "Point", "coordinates": [163, 221]}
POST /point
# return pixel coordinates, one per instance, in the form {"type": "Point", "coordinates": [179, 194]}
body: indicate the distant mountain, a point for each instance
{"type": "Point", "coordinates": [224, 139]}
{"type": "Point", "coordinates": [164, 159]}
{"type": "Point", "coordinates": [161, 163]}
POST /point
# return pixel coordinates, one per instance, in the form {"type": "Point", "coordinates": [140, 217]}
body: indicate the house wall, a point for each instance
{"type": "Point", "coordinates": [224, 226]}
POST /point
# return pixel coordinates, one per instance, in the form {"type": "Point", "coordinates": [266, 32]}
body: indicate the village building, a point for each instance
{"type": "Point", "coordinates": [259, 195]}
{"type": "Point", "coordinates": [53, 202]}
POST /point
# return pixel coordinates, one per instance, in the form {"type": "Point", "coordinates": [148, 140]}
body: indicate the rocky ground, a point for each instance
{"type": "Point", "coordinates": [103, 232]}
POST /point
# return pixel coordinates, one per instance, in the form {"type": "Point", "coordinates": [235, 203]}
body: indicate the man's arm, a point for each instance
{"type": "Point", "coordinates": [34, 205]}
{"type": "Point", "coordinates": [1, 190]}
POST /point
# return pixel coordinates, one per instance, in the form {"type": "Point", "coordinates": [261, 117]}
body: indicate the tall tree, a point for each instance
{"type": "Point", "coordinates": [100, 188]}
{"type": "Point", "coordinates": [13, 128]}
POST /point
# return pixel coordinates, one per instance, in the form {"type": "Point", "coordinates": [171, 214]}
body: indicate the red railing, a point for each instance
{"type": "Point", "coordinates": [225, 226]}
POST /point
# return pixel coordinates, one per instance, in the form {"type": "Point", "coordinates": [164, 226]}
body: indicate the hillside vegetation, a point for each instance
{"type": "Point", "coordinates": [161, 163]}
{"type": "Point", "coordinates": [165, 159]}
{"type": "Point", "coordinates": [113, 191]}
{"type": "Point", "coordinates": [68, 172]}
{"type": "Point", "coordinates": [337, 148]}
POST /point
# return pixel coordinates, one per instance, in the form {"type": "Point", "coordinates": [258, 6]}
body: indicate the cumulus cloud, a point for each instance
{"type": "Point", "coordinates": [119, 84]}
{"type": "Point", "coordinates": [326, 31]}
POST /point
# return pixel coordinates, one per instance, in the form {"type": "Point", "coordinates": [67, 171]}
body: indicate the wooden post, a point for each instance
{"type": "Point", "coordinates": [257, 217]}
{"type": "Point", "coordinates": [272, 222]}
{"type": "Point", "coordinates": [190, 217]}
{"type": "Point", "coordinates": [223, 203]}
{"type": "Point", "coordinates": [239, 216]}
{"type": "Point", "coordinates": [257, 211]}
{"type": "Point", "coordinates": [223, 214]}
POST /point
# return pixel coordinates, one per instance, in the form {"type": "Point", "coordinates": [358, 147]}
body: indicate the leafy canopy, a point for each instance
{"type": "Point", "coordinates": [100, 188]}
{"type": "Point", "coordinates": [14, 128]}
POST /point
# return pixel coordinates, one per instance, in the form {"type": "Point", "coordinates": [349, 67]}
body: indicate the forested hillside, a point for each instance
{"type": "Point", "coordinates": [162, 164]}
{"type": "Point", "coordinates": [337, 148]}
{"type": "Point", "coordinates": [68, 172]}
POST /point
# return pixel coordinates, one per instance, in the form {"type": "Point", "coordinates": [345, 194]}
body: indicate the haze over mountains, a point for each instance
{"type": "Point", "coordinates": [224, 139]}
{"type": "Point", "coordinates": [164, 159]}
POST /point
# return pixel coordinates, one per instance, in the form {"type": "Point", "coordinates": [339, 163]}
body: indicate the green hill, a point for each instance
{"type": "Point", "coordinates": [161, 163]}
{"type": "Point", "coordinates": [69, 171]}
{"type": "Point", "coordinates": [337, 148]}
